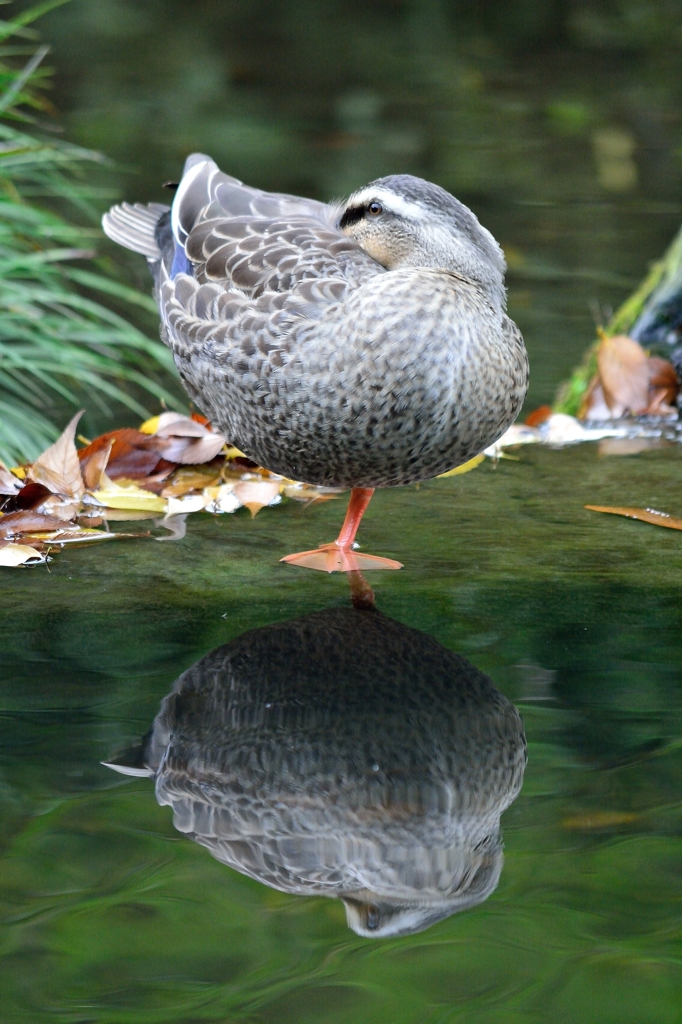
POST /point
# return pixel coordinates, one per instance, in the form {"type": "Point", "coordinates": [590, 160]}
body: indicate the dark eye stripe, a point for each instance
{"type": "Point", "coordinates": [352, 215]}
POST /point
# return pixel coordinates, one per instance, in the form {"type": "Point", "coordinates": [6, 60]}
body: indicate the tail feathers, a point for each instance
{"type": "Point", "coordinates": [134, 227]}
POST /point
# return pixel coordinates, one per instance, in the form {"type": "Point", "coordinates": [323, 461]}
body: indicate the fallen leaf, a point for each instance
{"type": "Point", "coordinates": [233, 453]}
{"type": "Point", "coordinates": [94, 464]}
{"type": "Point", "coordinates": [182, 426]}
{"type": "Point", "coordinates": [9, 483]}
{"type": "Point", "coordinates": [201, 419]}
{"type": "Point", "coordinates": [150, 426]}
{"type": "Point", "coordinates": [30, 496]}
{"type": "Point", "coordinates": [663, 383]}
{"type": "Point", "coordinates": [464, 468]}
{"type": "Point", "coordinates": [221, 499]}
{"type": "Point", "coordinates": [256, 494]}
{"type": "Point", "coordinates": [624, 375]}
{"type": "Point", "coordinates": [646, 515]}
{"type": "Point", "coordinates": [15, 523]}
{"type": "Point", "coordinates": [18, 554]}
{"type": "Point", "coordinates": [186, 440]}
{"type": "Point", "coordinates": [192, 478]}
{"type": "Point", "coordinates": [131, 454]}
{"type": "Point", "coordinates": [593, 405]}
{"type": "Point", "coordinates": [538, 416]}
{"type": "Point", "coordinates": [131, 497]}
{"type": "Point", "coordinates": [58, 468]}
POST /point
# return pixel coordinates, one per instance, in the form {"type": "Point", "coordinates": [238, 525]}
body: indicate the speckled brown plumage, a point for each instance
{"type": "Point", "coordinates": [329, 344]}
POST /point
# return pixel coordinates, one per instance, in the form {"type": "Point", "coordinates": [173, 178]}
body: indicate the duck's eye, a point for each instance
{"type": "Point", "coordinates": [375, 208]}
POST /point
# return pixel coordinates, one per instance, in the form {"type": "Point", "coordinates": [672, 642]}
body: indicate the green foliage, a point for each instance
{"type": "Point", "coordinates": [58, 345]}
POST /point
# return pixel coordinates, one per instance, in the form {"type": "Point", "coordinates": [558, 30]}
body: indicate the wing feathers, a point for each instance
{"type": "Point", "coordinates": [134, 227]}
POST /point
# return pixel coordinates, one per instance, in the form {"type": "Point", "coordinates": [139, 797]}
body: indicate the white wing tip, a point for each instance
{"type": "Point", "coordinates": [122, 769]}
{"type": "Point", "coordinates": [133, 226]}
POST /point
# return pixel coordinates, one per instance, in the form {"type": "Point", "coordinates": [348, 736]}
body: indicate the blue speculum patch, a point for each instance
{"type": "Point", "coordinates": [181, 264]}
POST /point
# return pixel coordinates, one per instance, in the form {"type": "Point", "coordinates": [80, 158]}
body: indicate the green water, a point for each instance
{"type": "Point", "coordinates": [111, 915]}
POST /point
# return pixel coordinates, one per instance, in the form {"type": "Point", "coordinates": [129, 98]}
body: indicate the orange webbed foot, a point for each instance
{"type": "Point", "coordinates": [332, 558]}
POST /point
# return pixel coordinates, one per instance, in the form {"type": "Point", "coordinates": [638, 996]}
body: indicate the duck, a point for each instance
{"type": "Point", "coordinates": [354, 345]}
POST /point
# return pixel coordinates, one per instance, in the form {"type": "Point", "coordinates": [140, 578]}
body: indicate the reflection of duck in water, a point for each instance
{"type": "Point", "coordinates": [343, 754]}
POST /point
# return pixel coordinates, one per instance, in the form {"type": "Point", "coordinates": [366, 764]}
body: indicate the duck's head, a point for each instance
{"type": "Point", "coordinates": [403, 221]}
{"type": "Point", "coordinates": [381, 916]}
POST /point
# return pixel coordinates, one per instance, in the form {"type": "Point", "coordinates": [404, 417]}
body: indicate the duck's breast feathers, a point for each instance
{"type": "Point", "coordinates": [258, 241]}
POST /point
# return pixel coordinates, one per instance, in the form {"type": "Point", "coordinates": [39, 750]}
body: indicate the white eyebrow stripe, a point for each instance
{"type": "Point", "coordinates": [390, 201]}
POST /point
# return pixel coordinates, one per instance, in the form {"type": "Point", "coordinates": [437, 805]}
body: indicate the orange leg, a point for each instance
{"type": "Point", "coordinates": [339, 556]}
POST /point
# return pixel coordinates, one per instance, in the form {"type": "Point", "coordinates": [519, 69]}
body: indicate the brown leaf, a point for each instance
{"type": "Point", "coordinates": [538, 416]}
{"type": "Point", "coordinates": [646, 515]}
{"type": "Point", "coordinates": [624, 375]}
{"type": "Point", "coordinates": [9, 483]}
{"type": "Point", "coordinates": [94, 464]}
{"type": "Point", "coordinates": [131, 455]}
{"type": "Point", "coordinates": [30, 496]}
{"type": "Point", "coordinates": [27, 522]}
{"type": "Point", "coordinates": [58, 468]}
{"type": "Point", "coordinates": [662, 375]}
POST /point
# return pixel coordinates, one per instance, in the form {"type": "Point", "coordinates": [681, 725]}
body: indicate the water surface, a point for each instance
{"type": "Point", "coordinates": [111, 914]}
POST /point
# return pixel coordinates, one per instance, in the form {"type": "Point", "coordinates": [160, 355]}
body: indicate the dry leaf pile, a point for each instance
{"type": "Point", "coordinates": [629, 382]}
{"type": "Point", "coordinates": [171, 466]}
{"type": "Point", "coordinates": [174, 465]}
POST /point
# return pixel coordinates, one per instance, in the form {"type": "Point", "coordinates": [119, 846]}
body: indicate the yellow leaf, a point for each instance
{"type": "Point", "coordinates": [150, 426]}
{"type": "Point", "coordinates": [464, 468]}
{"type": "Point", "coordinates": [130, 498]}
{"type": "Point", "coordinates": [18, 554]}
{"type": "Point", "coordinates": [19, 472]}
{"type": "Point", "coordinates": [233, 453]}
{"type": "Point", "coordinates": [646, 515]}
